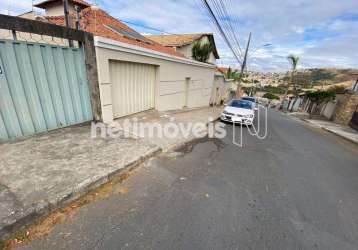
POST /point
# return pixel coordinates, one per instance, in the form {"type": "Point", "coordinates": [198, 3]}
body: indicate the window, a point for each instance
{"type": "Point", "coordinates": [241, 104]}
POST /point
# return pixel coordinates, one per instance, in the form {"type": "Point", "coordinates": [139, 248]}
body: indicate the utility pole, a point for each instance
{"type": "Point", "coordinates": [355, 86]}
{"type": "Point", "coordinates": [243, 66]}
{"type": "Point", "coordinates": [78, 17]}
{"type": "Point", "coordinates": [67, 19]}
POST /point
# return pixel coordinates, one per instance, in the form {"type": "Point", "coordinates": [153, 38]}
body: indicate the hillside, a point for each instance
{"type": "Point", "coordinates": [319, 77]}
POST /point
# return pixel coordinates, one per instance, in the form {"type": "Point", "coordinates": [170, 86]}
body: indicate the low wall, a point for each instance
{"type": "Point", "coordinates": [220, 91]}
{"type": "Point", "coordinates": [328, 110]}
{"type": "Point", "coordinates": [346, 106]}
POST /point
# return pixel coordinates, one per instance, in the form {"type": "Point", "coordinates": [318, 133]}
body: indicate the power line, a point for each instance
{"type": "Point", "coordinates": [226, 21]}
{"type": "Point", "coordinates": [221, 16]}
{"type": "Point", "coordinates": [236, 20]}
{"type": "Point", "coordinates": [231, 26]}
{"type": "Point", "coordinates": [223, 34]}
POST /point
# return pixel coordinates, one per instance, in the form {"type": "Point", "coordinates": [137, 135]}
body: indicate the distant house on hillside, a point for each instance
{"type": "Point", "coordinates": [185, 42]}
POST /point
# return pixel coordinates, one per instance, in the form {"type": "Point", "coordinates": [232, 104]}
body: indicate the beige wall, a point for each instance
{"type": "Point", "coordinates": [57, 9]}
{"type": "Point", "coordinates": [171, 76]}
{"type": "Point", "coordinates": [220, 90]}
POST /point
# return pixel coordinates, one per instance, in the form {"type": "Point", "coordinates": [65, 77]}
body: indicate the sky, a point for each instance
{"type": "Point", "coordinates": [323, 33]}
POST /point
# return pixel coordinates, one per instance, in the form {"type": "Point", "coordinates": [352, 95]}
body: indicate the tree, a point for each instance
{"type": "Point", "coordinates": [294, 62]}
{"type": "Point", "coordinates": [232, 74]}
{"type": "Point", "coordinates": [201, 51]}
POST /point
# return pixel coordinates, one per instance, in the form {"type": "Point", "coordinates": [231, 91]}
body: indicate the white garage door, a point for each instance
{"type": "Point", "coordinates": [132, 87]}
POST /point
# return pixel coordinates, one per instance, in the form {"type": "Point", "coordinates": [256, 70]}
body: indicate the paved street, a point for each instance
{"type": "Point", "coordinates": [297, 189]}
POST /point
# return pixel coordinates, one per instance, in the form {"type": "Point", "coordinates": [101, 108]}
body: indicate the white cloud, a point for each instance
{"type": "Point", "coordinates": [13, 7]}
{"type": "Point", "coordinates": [315, 30]}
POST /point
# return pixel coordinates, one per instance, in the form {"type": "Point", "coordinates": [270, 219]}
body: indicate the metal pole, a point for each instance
{"type": "Point", "coordinates": [67, 19]}
{"type": "Point", "coordinates": [243, 66]}
{"type": "Point", "coordinates": [355, 86]}
{"type": "Point", "coordinates": [78, 17]}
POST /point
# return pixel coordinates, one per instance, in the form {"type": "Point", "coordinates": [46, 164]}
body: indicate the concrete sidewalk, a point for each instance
{"type": "Point", "coordinates": [42, 173]}
{"type": "Point", "coordinates": [337, 129]}
{"type": "Point", "coordinates": [185, 117]}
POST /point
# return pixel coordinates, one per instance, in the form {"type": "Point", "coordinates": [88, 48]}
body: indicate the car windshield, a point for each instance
{"type": "Point", "coordinates": [250, 99]}
{"type": "Point", "coordinates": [240, 104]}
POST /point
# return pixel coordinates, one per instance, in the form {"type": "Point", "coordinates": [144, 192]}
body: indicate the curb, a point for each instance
{"type": "Point", "coordinates": [46, 207]}
{"type": "Point", "coordinates": [330, 131]}
{"type": "Point", "coordinates": [39, 211]}
{"type": "Point", "coordinates": [335, 133]}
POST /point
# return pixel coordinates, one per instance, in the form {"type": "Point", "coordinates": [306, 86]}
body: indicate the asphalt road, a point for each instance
{"type": "Point", "coordinates": [296, 189]}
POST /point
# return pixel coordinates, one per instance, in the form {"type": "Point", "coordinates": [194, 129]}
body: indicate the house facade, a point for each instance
{"type": "Point", "coordinates": [136, 73]}
{"type": "Point", "coordinates": [134, 79]}
{"type": "Point", "coordinates": [184, 43]}
{"type": "Point", "coordinates": [55, 8]}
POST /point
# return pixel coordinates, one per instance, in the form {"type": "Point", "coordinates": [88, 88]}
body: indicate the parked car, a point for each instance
{"type": "Point", "coordinates": [251, 99]}
{"type": "Point", "coordinates": [239, 111]}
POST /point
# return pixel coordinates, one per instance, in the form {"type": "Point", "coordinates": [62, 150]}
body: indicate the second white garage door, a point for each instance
{"type": "Point", "coordinates": [133, 87]}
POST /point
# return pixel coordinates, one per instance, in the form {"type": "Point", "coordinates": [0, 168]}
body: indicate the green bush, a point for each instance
{"type": "Point", "coordinates": [337, 89]}
{"type": "Point", "coordinates": [271, 96]}
{"type": "Point", "coordinates": [201, 51]}
{"type": "Point", "coordinates": [321, 96]}
{"type": "Point", "coordinates": [274, 90]}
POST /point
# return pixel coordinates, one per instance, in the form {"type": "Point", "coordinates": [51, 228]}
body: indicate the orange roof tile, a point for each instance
{"type": "Point", "coordinates": [222, 69]}
{"type": "Point", "coordinates": [175, 40]}
{"type": "Point", "coordinates": [179, 40]}
{"type": "Point", "coordinates": [99, 23]}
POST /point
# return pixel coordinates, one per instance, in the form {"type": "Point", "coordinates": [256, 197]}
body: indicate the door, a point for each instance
{"type": "Point", "coordinates": [186, 92]}
{"type": "Point", "coordinates": [133, 87]}
{"type": "Point", "coordinates": [42, 87]}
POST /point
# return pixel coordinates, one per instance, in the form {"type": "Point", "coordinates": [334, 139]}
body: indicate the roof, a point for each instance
{"type": "Point", "coordinates": [180, 40]}
{"type": "Point", "coordinates": [223, 70]}
{"type": "Point", "coordinates": [44, 4]}
{"type": "Point", "coordinates": [175, 40]}
{"type": "Point", "coordinates": [99, 23]}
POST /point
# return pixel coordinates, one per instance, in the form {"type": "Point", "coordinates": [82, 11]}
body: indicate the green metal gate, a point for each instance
{"type": "Point", "coordinates": [42, 87]}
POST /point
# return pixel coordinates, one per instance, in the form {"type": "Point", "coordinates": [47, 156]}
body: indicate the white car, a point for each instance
{"type": "Point", "coordinates": [251, 99]}
{"type": "Point", "coordinates": [239, 111]}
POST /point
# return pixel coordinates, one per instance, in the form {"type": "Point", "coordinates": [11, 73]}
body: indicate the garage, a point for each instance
{"type": "Point", "coordinates": [133, 87]}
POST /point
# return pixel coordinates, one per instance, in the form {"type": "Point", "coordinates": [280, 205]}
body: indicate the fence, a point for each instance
{"type": "Point", "coordinates": [45, 83]}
